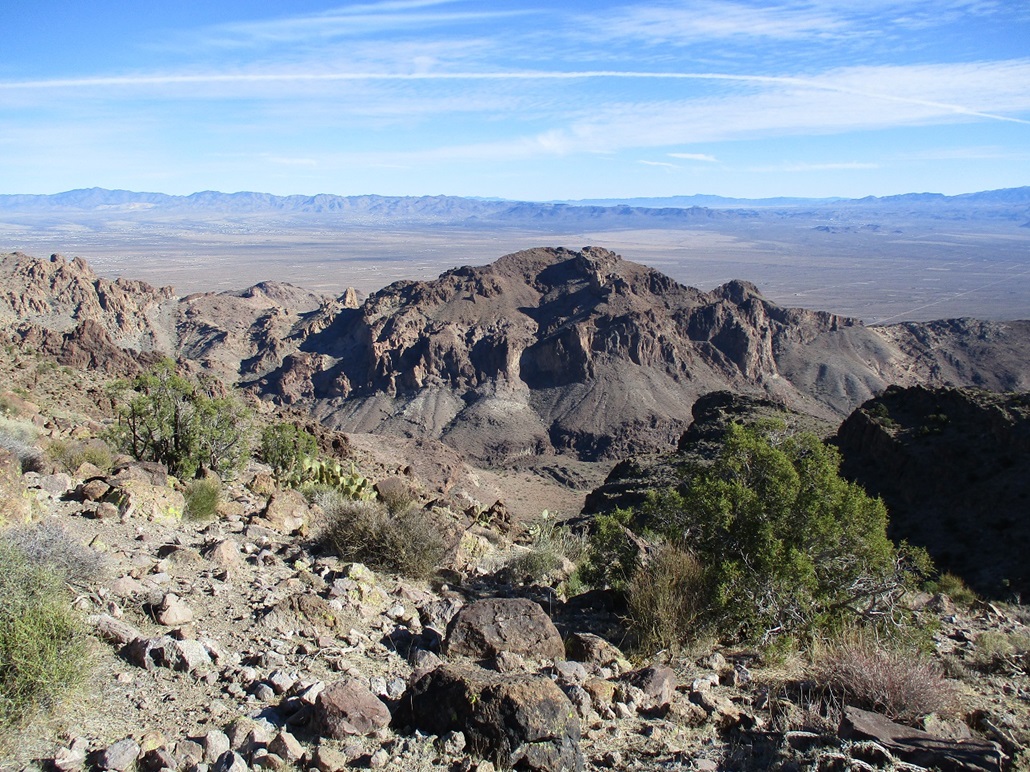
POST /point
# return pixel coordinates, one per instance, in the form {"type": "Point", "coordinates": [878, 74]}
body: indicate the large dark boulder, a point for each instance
{"type": "Point", "coordinates": [519, 721]}
{"type": "Point", "coordinates": [486, 628]}
{"type": "Point", "coordinates": [953, 468]}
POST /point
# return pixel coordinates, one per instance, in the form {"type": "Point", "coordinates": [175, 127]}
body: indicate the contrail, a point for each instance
{"type": "Point", "coordinates": [167, 80]}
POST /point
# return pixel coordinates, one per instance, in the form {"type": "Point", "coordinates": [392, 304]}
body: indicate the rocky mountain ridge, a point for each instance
{"type": "Point", "coordinates": [543, 351]}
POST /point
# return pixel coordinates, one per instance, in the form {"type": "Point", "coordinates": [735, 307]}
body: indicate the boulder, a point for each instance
{"type": "Point", "coordinates": [488, 627]}
{"type": "Point", "coordinates": [287, 511]}
{"type": "Point", "coordinates": [521, 721]}
{"type": "Point", "coordinates": [347, 707]}
{"type": "Point", "coordinates": [173, 611]}
{"type": "Point", "coordinates": [148, 653]}
{"type": "Point", "coordinates": [119, 757]}
{"type": "Point", "coordinates": [594, 650]}
{"type": "Point", "coordinates": [657, 683]}
{"type": "Point", "coordinates": [136, 498]}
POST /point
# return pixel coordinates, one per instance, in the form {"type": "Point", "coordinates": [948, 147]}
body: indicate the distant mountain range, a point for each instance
{"type": "Point", "coordinates": [1011, 203]}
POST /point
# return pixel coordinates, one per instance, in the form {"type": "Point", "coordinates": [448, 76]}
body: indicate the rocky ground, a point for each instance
{"type": "Point", "coordinates": [235, 643]}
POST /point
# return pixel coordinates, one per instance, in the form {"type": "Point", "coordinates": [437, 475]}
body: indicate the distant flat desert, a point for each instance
{"type": "Point", "coordinates": [880, 274]}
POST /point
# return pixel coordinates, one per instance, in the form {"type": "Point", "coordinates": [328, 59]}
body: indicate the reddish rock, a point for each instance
{"type": "Point", "coordinates": [488, 627]}
{"type": "Point", "coordinates": [347, 708]}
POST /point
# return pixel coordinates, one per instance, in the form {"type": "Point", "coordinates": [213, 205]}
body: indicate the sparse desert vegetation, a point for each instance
{"type": "Point", "coordinates": [213, 563]}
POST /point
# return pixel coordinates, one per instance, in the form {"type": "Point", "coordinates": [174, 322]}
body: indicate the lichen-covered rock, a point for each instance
{"type": "Point", "coordinates": [135, 498]}
{"type": "Point", "coordinates": [287, 511]}
{"type": "Point", "coordinates": [488, 627]}
{"type": "Point", "coordinates": [523, 721]}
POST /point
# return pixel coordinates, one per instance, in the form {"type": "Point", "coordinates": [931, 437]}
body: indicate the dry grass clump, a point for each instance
{"type": "Point", "coordinates": [18, 437]}
{"type": "Point", "coordinates": [666, 597]}
{"type": "Point", "coordinates": [43, 650]}
{"type": "Point", "coordinates": [366, 532]}
{"type": "Point", "coordinates": [550, 554]}
{"type": "Point", "coordinates": [904, 685]}
{"type": "Point", "coordinates": [48, 546]}
{"type": "Point", "coordinates": [69, 455]}
{"type": "Point", "coordinates": [1002, 652]}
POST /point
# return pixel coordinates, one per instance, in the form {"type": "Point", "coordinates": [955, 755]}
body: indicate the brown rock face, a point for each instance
{"type": "Point", "coordinates": [488, 627]}
{"type": "Point", "coordinates": [543, 351]}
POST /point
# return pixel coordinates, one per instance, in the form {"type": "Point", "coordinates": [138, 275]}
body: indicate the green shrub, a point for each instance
{"type": "Point", "coordinates": [904, 685]}
{"type": "Point", "coordinates": [171, 420]}
{"type": "Point", "coordinates": [954, 587]}
{"type": "Point", "coordinates": [43, 650]}
{"type": "Point", "coordinates": [366, 532]}
{"type": "Point", "coordinates": [786, 544]}
{"type": "Point", "coordinates": [666, 598]}
{"type": "Point", "coordinates": [202, 498]}
{"type": "Point", "coordinates": [612, 552]}
{"type": "Point", "coordinates": [286, 447]}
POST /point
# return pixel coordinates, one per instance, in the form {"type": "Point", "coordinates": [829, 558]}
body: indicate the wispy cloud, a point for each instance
{"type": "Point", "coordinates": [977, 90]}
{"type": "Point", "coordinates": [695, 157]}
{"type": "Point", "coordinates": [660, 164]}
{"type": "Point", "coordinates": [814, 167]}
{"type": "Point", "coordinates": [350, 22]}
{"type": "Point", "coordinates": [697, 21]}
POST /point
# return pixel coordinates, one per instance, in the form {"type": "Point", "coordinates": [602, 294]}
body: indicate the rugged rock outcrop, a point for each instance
{"type": "Point", "coordinates": [553, 350]}
{"type": "Point", "coordinates": [543, 351]}
{"type": "Point", "coordinates": [62, 308]}
{"type": "Point", "coordinates": [953, 467]}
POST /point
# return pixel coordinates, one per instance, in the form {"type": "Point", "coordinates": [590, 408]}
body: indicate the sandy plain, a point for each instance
{"type": "Point", "coordinates": [875, 270]}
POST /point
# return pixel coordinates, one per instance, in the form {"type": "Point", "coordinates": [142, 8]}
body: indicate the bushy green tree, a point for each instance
{"type": "Point", "coordinates": [786, 544]}
{"type": "Point", "coordinates": [172, 420]}
{"type": "Point", "coordinates": [285, 447]}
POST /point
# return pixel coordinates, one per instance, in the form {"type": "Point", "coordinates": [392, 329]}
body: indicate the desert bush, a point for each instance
{"type": "Point", "coordinates": [166, 418]}
{"type": "Point", "coordinates": [202, 498]}
{"type": "Point", "coordinates": [954, 587]}
{"type": "Point", "coordinates": [18, 437]}
{"type": "Point", "coordinates": [49, 546]}
{"type": "Point", "coordinates": [398, 500]}
{"type": "Point", "coordinates": [903, 684]}
{"type": "Point", "coordinates": [550, 548]}
{"type": "Point", "coordinates": [787, 545]}
{"type": "Point", "coordinates": [70, 455]}
{"type": "Point", "coordinates": [666, 598]}
{"type": "Point", "coordinates": [285, 447]}
{"type": "Point", "coordinates": [612, 552]}
{"type": "Point", "coordinates": [365, 532]}
{"type": "Point", "coordinates": [43, 651]}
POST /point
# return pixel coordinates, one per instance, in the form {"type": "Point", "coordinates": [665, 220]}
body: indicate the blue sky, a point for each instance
{"type": "Point", "coordinates": [522, 100]}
